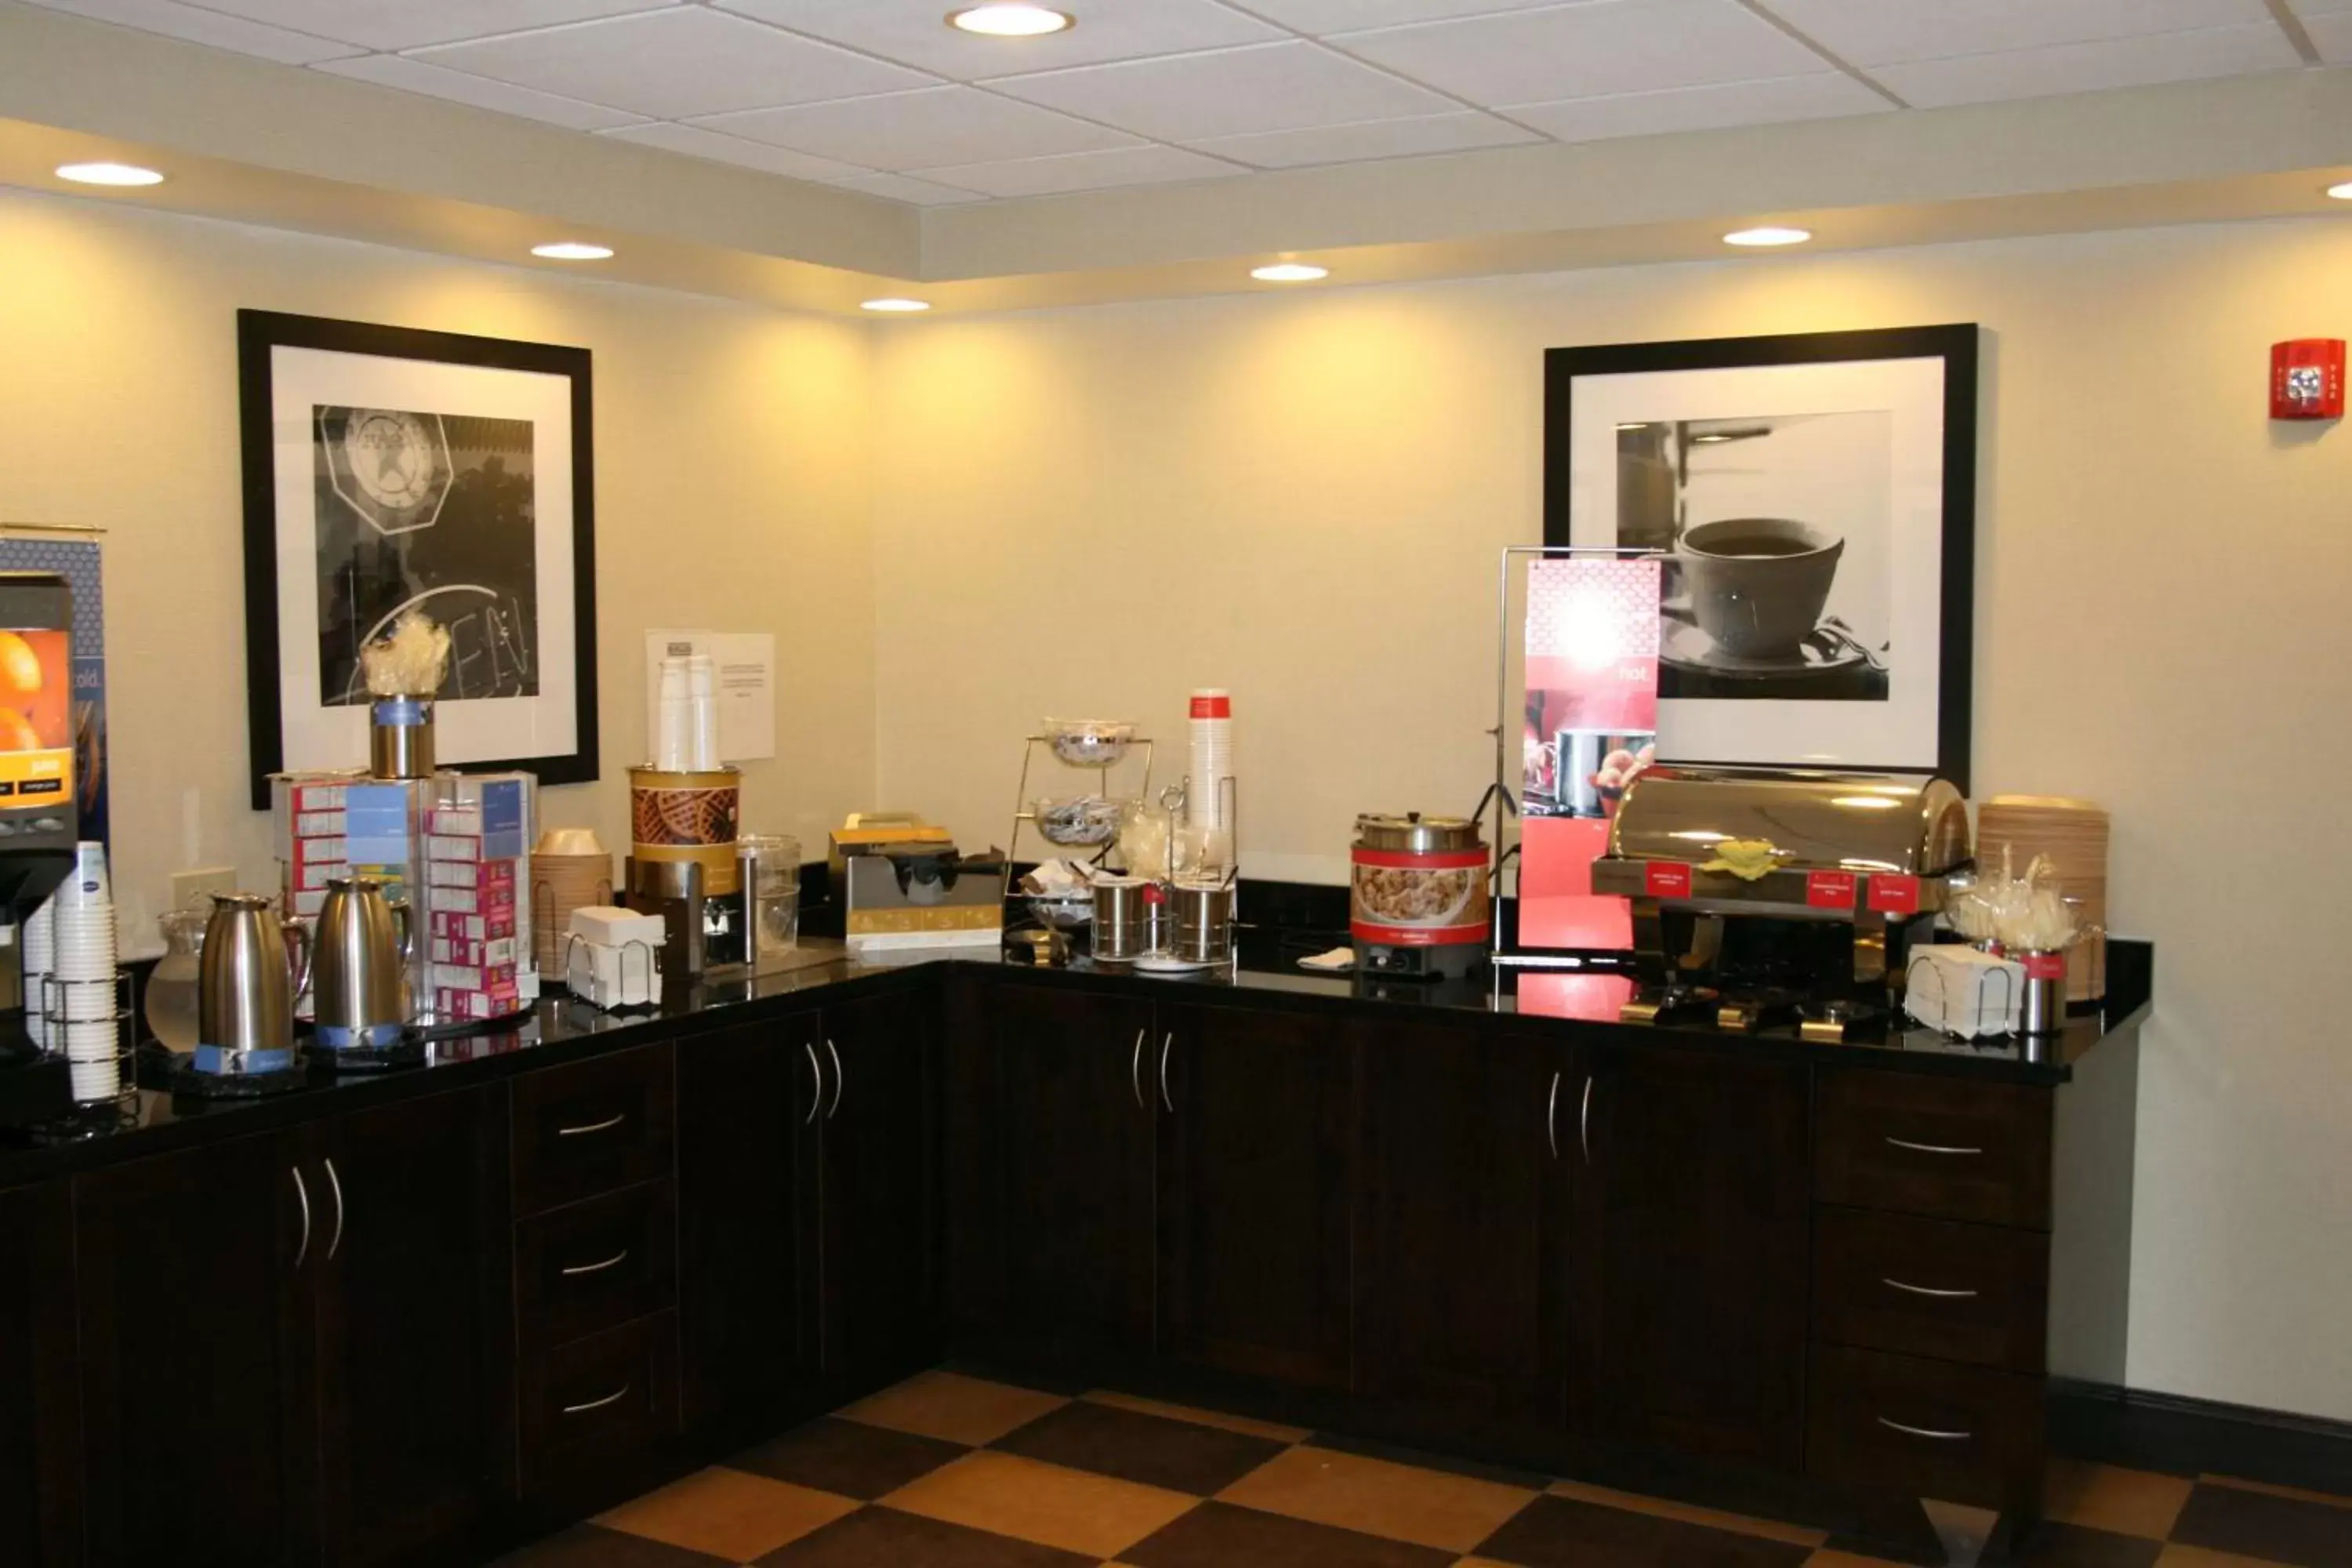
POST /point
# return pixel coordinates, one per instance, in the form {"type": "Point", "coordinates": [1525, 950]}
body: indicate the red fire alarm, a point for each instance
{"type": "Point", "coordinates": [2307, 379]}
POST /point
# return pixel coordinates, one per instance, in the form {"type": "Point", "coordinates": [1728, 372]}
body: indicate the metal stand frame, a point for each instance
{"type": "Point", "coordinates": [1102, 772]}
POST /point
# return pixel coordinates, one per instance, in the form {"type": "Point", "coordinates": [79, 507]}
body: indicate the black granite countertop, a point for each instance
{"type": "Point", "coordinates": [559, 1028]}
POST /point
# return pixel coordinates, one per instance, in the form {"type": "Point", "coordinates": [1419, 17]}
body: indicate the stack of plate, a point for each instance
{"type": "Point", "coordinates": [570, 870]}
{"type": "Point", "coordinates": [2072, 835]}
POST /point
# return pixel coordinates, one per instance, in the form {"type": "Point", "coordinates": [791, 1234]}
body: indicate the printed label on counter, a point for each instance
{"type": "Point", "coordinates": [1830, 889]}
{"type": "Point", "coordinates": [1894, 895]}
{"type": "Point", "coordinates": [1666, 879]}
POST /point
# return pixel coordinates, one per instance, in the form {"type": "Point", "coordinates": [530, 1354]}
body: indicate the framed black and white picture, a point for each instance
{"type": "Point", "coordinates": [1813, 498]}
{"type": "Point", "coordinates": [389, 469]}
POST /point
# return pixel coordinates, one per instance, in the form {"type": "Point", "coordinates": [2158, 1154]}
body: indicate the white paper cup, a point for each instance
{"type": "Point", "coordinates": [85, 883]}
{"type": "Point", "coordinates": [95, 1003]}
{"type": "Point", "coordinates": [96, 1081]}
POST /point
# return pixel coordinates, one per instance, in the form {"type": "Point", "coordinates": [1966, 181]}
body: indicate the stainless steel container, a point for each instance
{"type": "Point", "coordinates": [2045, 993]}
{"type": "Point", "coordinates": [360, 960]}
{"type": "Point", "coordinates": [255, 961]}
{"type": "Point", "coordinates": [1121, 923]}
{"type": "Point", "coordinates": [400, 738]}
{"type": "Point", "coordinates": [1202, 922]}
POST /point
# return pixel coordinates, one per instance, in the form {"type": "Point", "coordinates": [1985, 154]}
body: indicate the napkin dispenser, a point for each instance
{"type": "Point", "coordinates": [1964, 992]}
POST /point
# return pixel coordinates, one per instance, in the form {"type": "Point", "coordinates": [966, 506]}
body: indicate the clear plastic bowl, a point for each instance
{"type": "Point", "coordinates": [1079, 822]}
{"type": "Point", "coordinates": [1089, 743]}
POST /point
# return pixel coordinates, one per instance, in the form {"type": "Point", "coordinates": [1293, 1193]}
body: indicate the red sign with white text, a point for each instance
{"type": "Point", "coordinates": [1894, 895]}
{"type": "Point", "coordinates": [1832, 889]}
{"type": "Point", "coordinates": [1667, 879]}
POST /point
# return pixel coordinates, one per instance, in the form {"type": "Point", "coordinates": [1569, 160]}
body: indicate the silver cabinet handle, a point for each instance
{"type": "Point", "coordinates": [1165, 1099]}
{"type": "Point", "coordinates": [614, 1397]}
{"type": "Point", "coordinates": [1551, 1118]}
{"type": "Point", "coordinates": [817, 1083]}
{"type": "Point", "coordinates": [302, 1196]}
{"type": "Point", "coordinates": [1930, 1148]}
{"type": "Point", "coordinates": [1584, 1121]}
{"type": "Point", "coordinates": [335, 1242]}
{"type": "Point", "coordinates": [612, 1262]}
{"type": "Point", "coordinates": [604, 1126]}
{"type": "Point", "coordinates": [1135, 1067]}
{"type": "Point", "coordinates": [1927, 1290]}
{"type": "Point", "coordinates": [840, 1079]}
{"type": "Point", "coordinates": [1927, 1432]}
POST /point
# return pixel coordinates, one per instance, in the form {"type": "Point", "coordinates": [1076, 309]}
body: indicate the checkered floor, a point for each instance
{"type": "Point", "coordinates": [951, 1471]}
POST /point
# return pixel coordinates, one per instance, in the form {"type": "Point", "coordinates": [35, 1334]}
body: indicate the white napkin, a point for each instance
{"type": "Point", "coordinates": [1335, 960]}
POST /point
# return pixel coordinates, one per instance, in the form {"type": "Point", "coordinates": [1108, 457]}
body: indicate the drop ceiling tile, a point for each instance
{"type": "Point", "coordinates": [915, 32]}
{"type": "Point", "coordinates": [901, 188]}
{"type": "Point", "coordinates": [1086, 172]}
{"type": "Point", "coordinates": [675, 63]}
{"type": "Point", "coordinates": [1881, 32]}
{"type": "Point", "coordinates": [406, 24]}
{"type": "Point", "coordinates": [2088, 67]}
{"type": "Point", "coordinates": [415, 76]}
{"type": "Point", "coordinates": [1701, 108]}
{"type": "Point", "coordinates": [927, 128]}
{"type": "Point", "coordinates": [696, 142]}
{"type": "Point", "coordinates": [1581, 51]}
{"type": "Point", "coordinates": [2333, 35]}
{"type": "Point", "coordinates": [1228, 92]}
{"type": "Point", "coordinates": [1321, 17]}
{"type": "Point", "coordinates": [201, 27]}
{"type": "Point", "coordinates": [1412, 138]}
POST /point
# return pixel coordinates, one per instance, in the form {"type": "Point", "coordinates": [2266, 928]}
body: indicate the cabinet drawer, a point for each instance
{"type": "Point", "coordinates": [1921, 1143]}
{"type": "Point", "coordinates": [590, 1128]}
{"type": "Point", "coordinates": [1931, 1288]}
{"type": "Point", "coordinates": [597, 1414]}
{"type": "Point", "coordinates": [1925, 1429]}
{"type": "Point", "coordinates": [590, 1265]}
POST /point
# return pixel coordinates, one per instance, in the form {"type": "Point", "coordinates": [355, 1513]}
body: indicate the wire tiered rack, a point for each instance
{"type": "Point", "coordinates": [1135, 754]}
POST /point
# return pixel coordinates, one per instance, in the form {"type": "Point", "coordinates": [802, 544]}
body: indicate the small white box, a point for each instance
{"type": "Point", "coordinates": [612, 927]}
{"type": "Point", "coordinates": [607, 976]}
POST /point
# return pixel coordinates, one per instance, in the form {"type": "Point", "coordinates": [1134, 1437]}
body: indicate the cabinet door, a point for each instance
{"type": "Point", "coordinates": [745, 1097]}
{"type": "Point", "coordinates": [1075, 1137]}
{"type": "Point", "coordinates": [194, 1272]}
{"type": "Point", "coordinates": [412, 1252]}
{"type": "Point", "coordinates": [879, 1190]}
{"type": "Point", "coordinates": [1462, 1221]}
{"type": "Point", "coordinates": [1690, 1266]}
{"type": "Point", "coordinates": [40, 1419]}
{"type": "Point", "coordinates": [1254, 1192]}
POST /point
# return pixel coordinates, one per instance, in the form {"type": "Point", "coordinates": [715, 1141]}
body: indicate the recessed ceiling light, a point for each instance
{"type": "Point", "coordinates": [1289, 273]}
{"type": "Point", "coordinates": [2342, 193]}
{"type": "Point", "coordinates": [1768, 236]}
{"type": "Point", "coordinates": [1007, 20]}
{"type": "Point", "coordinates": [109, 175]}
{"type": "Point", "coordinates": [894, 306]}
{"type": "Point", "coordinates": [573, 250]}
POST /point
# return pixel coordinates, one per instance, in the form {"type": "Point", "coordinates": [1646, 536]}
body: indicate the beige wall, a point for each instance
{"type": "Point", "coordinates": [732, 492]}
{"type": "Point", "coordinates": [1302, 498]}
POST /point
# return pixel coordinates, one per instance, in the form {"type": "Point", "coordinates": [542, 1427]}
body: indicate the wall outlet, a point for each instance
{"type": "Point", "coordinates": [193, 890]}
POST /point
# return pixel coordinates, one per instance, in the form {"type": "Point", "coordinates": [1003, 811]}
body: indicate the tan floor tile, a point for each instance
{"type": "Point", "coordinates": [1661, 1507]}
{"type": "Point", "coordinates": [1044, 1503]}
{"type": "Point", "coordinates": [2105, 1497]}
{"type": "Point", "coordinates": [2179, 1557]}
{"type": "Point", "coordinates": [1242, 1424]}
{"type": "Point", "coordinates": [1403, 1502]}
{"type": "Point", "coordinates": [2299, 1494]}
{"type": "Point", "coordinates": [947, 1404]}
{"type": "Point", "coordinates": [728, 1513]}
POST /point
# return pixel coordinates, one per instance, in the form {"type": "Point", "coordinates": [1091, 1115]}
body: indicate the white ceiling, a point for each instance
{"type": "Point", "coordinates": [880, 96]}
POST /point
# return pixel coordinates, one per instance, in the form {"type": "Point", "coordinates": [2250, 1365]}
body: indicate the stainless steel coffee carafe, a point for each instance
{"type": "Point", "coordinates": [360, 964]}
{"type": "Point", "coordinates": [254, 963]}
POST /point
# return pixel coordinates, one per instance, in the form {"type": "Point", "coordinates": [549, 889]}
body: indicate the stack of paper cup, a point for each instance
{"type": "Point", "coordinates": [702, 703]}
{"type": "Point", "coordinates": [673, 720]}
{"type": "Point", "coordinates": [40, 939]}
{"type": "Point", "coordinates": [81, 991]}
{"type": "Point", "coordinates": [1213, 756]}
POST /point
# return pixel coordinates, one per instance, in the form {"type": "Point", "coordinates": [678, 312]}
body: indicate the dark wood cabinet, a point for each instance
{"type": "Point", "coordinates": [410, 1267]}
{"type": "Point", "coordinates": [1691, 1252]}
{"type": "Point", "coordinates": [876, 1159]}
{"type": "Point", "coordinates": [746, 1098]}
{"type": "Point", "coordinates": [198, 1395]}
{"type": "Point", "coordinates": [1462, 1226]}
{"type": "Point", "coordinates": [1256, 1176]}
{"type": "Point", "coordinates": [1074, 1128]}
{"type": "Point", "coordinates": [40, 1413]}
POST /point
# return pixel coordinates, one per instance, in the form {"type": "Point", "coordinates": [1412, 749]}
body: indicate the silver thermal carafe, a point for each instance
{"type": "Point", "coordinates": [359, 965]}
{"type": "Point", "coordinates": [255, 962]}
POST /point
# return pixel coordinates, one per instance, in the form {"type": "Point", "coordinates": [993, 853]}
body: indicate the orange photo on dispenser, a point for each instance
{"type": "Point", "coordinates": [35, 716]}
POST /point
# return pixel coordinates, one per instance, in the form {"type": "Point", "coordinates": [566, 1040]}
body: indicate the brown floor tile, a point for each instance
{"type": "Point", "coordinates": [960, 1409]}
{"type": "Point", "coordinates": [1561, 1532]}
{"type": "Point", "coordinates": [2053, 1544]}
{"type": "Point", "coordinates": [1219, 1535]}
{"type": "Point", "coordinates": [1453, 1513]}
{"type": "Point", "coordinates": [883, 1538]}
{"type": "Point", "coordinates": [1244, 1424]}
{"type": "Point", "coordinates": [1182, 1456]}
{"type": "Point", "coordinates": [2301, 1494]}
{"type": "Point", "coordinates": [1830, 1557]}
{"type": "Point", "coordinates": [1421, 1459]}
{"type": "Point", "coordinates": [1032, 1501]}
{"type": "Point", "coordinates": [1661, 1507]}
{"type": "Point", "coordinates": [727, 1513]}
{"type": "Point", "coordinates": [2128, 1502]}
{"type": "Point", "coordinates": [847, 1456]}
{"type": "Point", "coordinates": [591, 1546]}
{"type": "Point", "coordinates": [2263, 1524]}
{"type": "Point", "coordinates": [2179, 1556]}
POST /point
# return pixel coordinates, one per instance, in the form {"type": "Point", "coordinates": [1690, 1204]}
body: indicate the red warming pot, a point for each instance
{"type": "Point", "coordinates": [1419, 901]}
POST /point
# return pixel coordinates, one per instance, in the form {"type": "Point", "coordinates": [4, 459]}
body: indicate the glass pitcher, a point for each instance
{"type": "Point", "coordinates": [171, 1007]}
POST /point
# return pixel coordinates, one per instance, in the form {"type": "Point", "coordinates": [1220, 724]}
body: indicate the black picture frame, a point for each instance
{"type": "Point", "coordinates": [1956, 344]}
{"type": "Point", "coordinates": [259, 332]}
